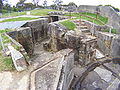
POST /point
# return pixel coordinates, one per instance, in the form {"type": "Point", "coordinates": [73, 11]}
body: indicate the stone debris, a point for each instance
{"type": "Point", "coordinates": [103, 73]}
{"type": "Point", "coordinates": [18, 59]}
{"type": "Point", "coordinates": [99, 55]}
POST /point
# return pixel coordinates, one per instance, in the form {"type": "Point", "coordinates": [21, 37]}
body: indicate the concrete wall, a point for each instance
{"type": "Point", "coordinates": [116, 47]}
{"type": "Point", "coordinates": [107, 11]}
{"type": "Point", "coordinates": [104, 42]}
{"type": "Point", "coordinates": [94, 28]}
{"type": "Point", "coordinates": [31, 33]}
{"type": "Point", "coordinates": [38, 29]}
{"type": "Point", "coordinates": [24, 37]}
{"type": "Point", "coordinates": [67, 73]}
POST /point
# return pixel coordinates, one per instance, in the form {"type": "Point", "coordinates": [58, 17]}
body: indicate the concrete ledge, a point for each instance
{"type": "Point", "coordinates": [58, 73]}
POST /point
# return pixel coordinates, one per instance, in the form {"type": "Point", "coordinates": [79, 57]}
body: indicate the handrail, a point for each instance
{"type": "Point", "coordinates": [92, 18]}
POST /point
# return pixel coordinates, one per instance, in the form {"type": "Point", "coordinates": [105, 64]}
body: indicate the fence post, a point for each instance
{"type": "Point", "coordinates": [1, 42]}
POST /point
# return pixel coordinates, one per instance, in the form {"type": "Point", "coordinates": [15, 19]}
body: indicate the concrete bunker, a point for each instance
{"type": "Point", "coordinates": [68, 48]}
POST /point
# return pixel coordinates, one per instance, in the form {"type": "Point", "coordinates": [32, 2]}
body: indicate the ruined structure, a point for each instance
{"type": "Point", "coordinates": [64, 59]}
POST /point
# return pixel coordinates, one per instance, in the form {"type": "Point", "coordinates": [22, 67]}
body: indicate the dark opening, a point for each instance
{"type": "Point", "coordinates": [54, 18]}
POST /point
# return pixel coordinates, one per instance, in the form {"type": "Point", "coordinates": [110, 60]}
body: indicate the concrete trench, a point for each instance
{"type": "Point", "coordinates": [54, 67]}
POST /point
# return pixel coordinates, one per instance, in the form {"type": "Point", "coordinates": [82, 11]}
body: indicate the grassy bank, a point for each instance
{"type": "Point", "coordinates": [5, 61]}
{"type": "Point", "coordinates": [40, 12]}
{"type": "Point", "coordinates": [18, 19]}
{"type": "Point", "coordinates": [68, 24]}
{"type": "Point", "coordinates": [97, 19]}
{"type": "Point", "coordinates": [112, 31]}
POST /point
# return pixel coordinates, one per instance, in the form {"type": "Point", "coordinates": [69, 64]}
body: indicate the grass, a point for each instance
{"type": "Point", "coordinates": [97, 19]}
{"type": "Point", "coordinates": [5, 61]}
{"type": "Point", "coordinates": [18, 19]}
{"type": "Point", "coordinates": [68, 24]}
{"type": "Point", "coordinates": [112, 31]}
{"type": "Point", "coordinates": [40, 12]}
{"type": "Point", "coordinates": [13, 14]}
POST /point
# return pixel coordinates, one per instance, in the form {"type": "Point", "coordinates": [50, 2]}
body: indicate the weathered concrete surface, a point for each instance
{"type": "Point", "coordinates": [24, 37]}
{"type": "Point", "coordinates": [104, 42]}
{"type": "Point", "coordinates": [116, 47]}
{"type": "Point", "coordinates": [103, 73]}
{"type": "Point", "coordinates": [18, 59]}
{"type": "Point", "coordinates": [60, 38]}
{"type": "Point", "coordinates": [14, 80]}
{"type": "Point", "coordinates": [38, 29]}
{"type": "Point", "coordinates": [55, 74]}
{"type": "Point", "coordinates": [31, 33]}
{"type": "Point", "coordinates": [97, 78]}
{"type": "Point", "coordinates": [56, 34]}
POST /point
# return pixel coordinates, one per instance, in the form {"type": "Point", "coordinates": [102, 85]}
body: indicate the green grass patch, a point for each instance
{"type": "Point", "coordinates": [41, 12]}
{"type": "Point", "coordinates": [112, 31]}
{"type": "Point", "coordinates": [5, 63]}
{"type": "Point", "coordinates": [13, 14]}
{"type": "Point", "coordinates": [18, 19]}
{"type": "Point", "coordinates": [99, 20]}
{"type": "Point", "coordinates": [68, 24]}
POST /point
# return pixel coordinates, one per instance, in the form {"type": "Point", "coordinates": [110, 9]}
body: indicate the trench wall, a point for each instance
{"type": "Point", "coordinates": [107, 11]}
{"type": "Point", "coordinates": [31, 33]}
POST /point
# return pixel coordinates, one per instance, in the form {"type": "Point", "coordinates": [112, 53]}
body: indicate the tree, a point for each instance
{"type": "Point", "coordinates": [36, 2]}
{"type": "Point", "coordinates": [20, 5]}
{"type": "Point", "coordinates": [45, 4]}
{"type": "Point", "coordinates": [72, 7]}
{"type": "Point", "coordinates": [28, 6]}
{"type": "Point", "coordinates": [1, 5]}
{"type": "Point", "coordinates": [58, 4]}
{"type": "Point", "coordinates": [6, 8]}
{"type": "Point", "coordinates": [72, 4]}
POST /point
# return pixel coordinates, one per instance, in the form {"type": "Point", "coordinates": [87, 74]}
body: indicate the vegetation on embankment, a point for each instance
{"type": "Point", "coordinates": [97, 19]}
{"type": "Point", "coordinates": [68, 24]}
{"type": "Point", "coordinates": [5, 61]}
{"type": "Point", "coordinates": [18, 19]}
{"type": "Point", "coordinates": [112, 31]}
{"type": "Point", "coordinates": [39, 12]}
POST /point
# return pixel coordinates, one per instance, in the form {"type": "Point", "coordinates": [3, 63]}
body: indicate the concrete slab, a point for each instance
{"type": "Point", "coordinates": [103, 73]}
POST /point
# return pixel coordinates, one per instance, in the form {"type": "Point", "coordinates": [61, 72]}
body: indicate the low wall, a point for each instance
{"type": "Point", "coordinates": [31, 33]}
{"type": "Point", "coordinates": [94, 28]}
{"type": "Point", "coordinates": [24, 37]}
{"type": "Point", "coordinates": [60, 38]}
{"type": "Point", "coordinates": [67, 73]}
{"type": "Point", "coordinates": [104, 42]}
{"type": "Point", "coordinates": [107, 11]}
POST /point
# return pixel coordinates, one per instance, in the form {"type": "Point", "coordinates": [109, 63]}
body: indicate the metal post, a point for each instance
{"type": "Point", "coordinates": [1, 42]}
{"type": "Point", "coordinates": [110, 31]}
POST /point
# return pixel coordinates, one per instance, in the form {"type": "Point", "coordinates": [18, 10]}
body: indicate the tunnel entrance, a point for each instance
{"type": "Point", "coordinates": [54, 18]}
